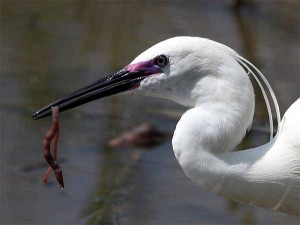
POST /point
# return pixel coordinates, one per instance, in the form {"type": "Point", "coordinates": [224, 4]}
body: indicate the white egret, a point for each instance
{"type": "Point", "coordinates": [212, 80]}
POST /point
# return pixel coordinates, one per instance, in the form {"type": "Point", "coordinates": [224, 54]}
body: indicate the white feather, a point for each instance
{"type": "Point", "coordinates": [207, 77]}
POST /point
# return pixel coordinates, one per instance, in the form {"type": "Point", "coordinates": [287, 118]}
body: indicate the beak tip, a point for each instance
{"type": "Point", "coordinates": [38, 115]}
{"type": "Point", "coordinates": [35, 115]}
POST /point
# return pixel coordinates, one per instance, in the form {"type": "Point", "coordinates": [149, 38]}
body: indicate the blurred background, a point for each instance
{"type": "Point", "coordinates": [49, 48]}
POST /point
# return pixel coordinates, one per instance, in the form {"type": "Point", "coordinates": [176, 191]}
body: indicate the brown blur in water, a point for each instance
{"type": "Point", "coordinates": [49, 48]}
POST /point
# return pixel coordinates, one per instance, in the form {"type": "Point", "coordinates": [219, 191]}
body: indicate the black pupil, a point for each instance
{"type": "Point", "coordinates": [161, 60]}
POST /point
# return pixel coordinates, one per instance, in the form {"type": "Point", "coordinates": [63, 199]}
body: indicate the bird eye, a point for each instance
{"type": "Point", "coordinates": [161, 60]}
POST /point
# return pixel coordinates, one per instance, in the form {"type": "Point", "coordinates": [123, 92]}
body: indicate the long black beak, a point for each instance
{"type": "Point", "coordinates": [118, 82]}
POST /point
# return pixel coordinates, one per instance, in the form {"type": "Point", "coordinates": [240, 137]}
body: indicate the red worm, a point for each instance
{"type": "Point", "coordinates": [52, 135]}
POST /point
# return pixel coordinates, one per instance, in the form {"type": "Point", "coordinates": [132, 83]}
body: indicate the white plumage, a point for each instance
{"type": "Point", "coordinates": [212, 80]}
{"type": "Point", "coordinates": [208, 77]}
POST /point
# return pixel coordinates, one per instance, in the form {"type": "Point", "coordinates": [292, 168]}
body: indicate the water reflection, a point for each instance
{"type": "Point", "coordinates": [49, 48]}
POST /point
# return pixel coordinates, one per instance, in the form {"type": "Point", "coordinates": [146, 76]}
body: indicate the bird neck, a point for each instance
{"type": "Point", "coordinates": [203, 134]}
{"type": "Point", "coordinates": [223, 108]}
{"type": "Point", "coordinates": [235, 175]}
{"type": "Point", "coordinates": [201, 141]}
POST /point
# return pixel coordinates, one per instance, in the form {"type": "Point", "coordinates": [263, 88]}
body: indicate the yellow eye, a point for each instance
{"type": "Point", "coordinates": [161, 60]}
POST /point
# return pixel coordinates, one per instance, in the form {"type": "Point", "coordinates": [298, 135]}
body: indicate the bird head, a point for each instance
{"type": "Point", "coordinates": [186, 70]}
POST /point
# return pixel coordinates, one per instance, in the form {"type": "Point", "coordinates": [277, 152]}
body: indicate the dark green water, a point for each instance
{"type": "Point", "coordinates": [49, 48]}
